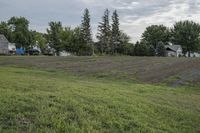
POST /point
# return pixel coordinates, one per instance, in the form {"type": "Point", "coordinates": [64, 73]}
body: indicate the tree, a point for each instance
{"type": "Point", "coordinates": [186, 34]}
{"type": "Point", "coordinates": [128, 49]}
{"type": "Point", "coordinates": [161, 51]}
{"type": "Point", "coordinates": [124, 46]}
{"type": "Point", "coordinates": [154, 34]}
{"type": "Point", "coordinates": [40, 39]}
{"type": "Point", "coordinates": [115, 44]}
{"type": "Point", "coordinates": [141, 49]}
{"type": "Point", "coordinates": [53, 35]}
{"type": "Point", "coordinates": [104, 34]}
{"type": "Point", "coordinates": [6, 31]}
{"type": "Point", "coordinates": [151, 51]}
{"type": "Point", "coordinates": [86, 33]}
{"type": "Point", "coordinates": [77, 41]}
{"type": "Point", "coordinates": [66, 37]}
{"type": "Point", "coordinates": [20, 31]}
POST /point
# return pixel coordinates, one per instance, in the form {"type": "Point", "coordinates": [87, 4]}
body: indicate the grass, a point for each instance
{"type": "Point", "coordinates": [37, 100]}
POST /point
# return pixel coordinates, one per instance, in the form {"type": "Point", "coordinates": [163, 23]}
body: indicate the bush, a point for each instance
{"type": "Point", "coordinates": [141, 49]}
{"type": "Point", "coordinates": [161, 51]}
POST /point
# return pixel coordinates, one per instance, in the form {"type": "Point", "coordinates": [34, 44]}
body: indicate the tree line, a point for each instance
{"type": "Point", "coordinates": [110, 39]}
{"type": "Point", "coordinates": [184, 33]}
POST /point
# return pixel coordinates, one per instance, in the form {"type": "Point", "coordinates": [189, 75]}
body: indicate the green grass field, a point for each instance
{"type": "Point", "coordinates": [51, 100]}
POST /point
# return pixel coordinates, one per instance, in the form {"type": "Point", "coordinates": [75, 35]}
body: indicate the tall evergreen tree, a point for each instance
{"type": "Point", "coordinates": [86, 32]}
{"type": "Point", "coordinates": [104, 33]}
{"type": "Point", "coordinates": [115, 33]}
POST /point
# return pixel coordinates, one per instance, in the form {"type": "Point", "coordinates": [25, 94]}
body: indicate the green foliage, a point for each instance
{"type": "Point", "coordinates": [40, 39]}
{"type": "Point", "coordinates": [151, 51]}
{"type": "Point", "coordinates": [115, 42]}
{"type": "Point", "coordinates": [86, 34]}
{"type": "Point", "coordinates": [77, 41]}
{"type": "Point", "coordinates": [124, 46]}
{"type": "Point", "coordinates": [141, 49]}
{"type": "Point", "coordinates": [86, 28]}
{"type": "Point", "coordinates": [161, 51]}
{"type": "Point", "coordinates": [127, 49]}
{"type": "Point", "coordinates": [104, 34]}
{"type": "Point", "coordinates": [20, 31]}
{"type": "Point", "coordinates": [6, 31]}
{"type": "Point", "coordinates": [186, 34]}
{"type": "Point", "coordinates": [111, 39]}
{"type": "Point", "coordinates": [154, 34]}
{"type": "Point", "coordinates": [53, 35]}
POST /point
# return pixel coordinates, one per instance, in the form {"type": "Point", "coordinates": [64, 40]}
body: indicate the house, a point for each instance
{"type": "Point", "coordinates": [64, 53]}
{"type": "Point", "coordinates": [174, 50]}
{"type": "Point", "coordinates": [12, 48]}
{"type": "Point", "coordinates": [6, 48]}
{"type": "Point", "coordinates": [3, 45]}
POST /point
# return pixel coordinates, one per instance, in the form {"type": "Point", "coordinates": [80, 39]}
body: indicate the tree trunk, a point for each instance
{"type": "Point", "coordinates": [189, 53]}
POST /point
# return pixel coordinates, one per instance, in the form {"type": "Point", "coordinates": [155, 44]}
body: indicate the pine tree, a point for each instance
{"type": "Point", "coordinates": [86, 32]}
{"type": "Point", "coordinates": [104, 34]}
{"type": "Point", "coordinates": [115, 33]}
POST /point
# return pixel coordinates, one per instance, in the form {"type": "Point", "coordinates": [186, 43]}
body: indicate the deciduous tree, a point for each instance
{"type": "Point", "coordinates": [154, 34]}
{"type": "Point", "coordinates": [186, 34]}
{"type": "Point", "coordinates": [20, 31]}
{"type": "Point", "coordinates": [53, 33]}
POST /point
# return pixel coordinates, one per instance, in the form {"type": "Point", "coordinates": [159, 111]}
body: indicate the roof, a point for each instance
{"type": "Point", "coordinates": [3, 38]}
{"type": "Point", "coordinates": [173, 47]}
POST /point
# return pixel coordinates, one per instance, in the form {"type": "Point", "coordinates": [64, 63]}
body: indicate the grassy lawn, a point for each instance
{"type": "Point", "coordinates": [38, 100]}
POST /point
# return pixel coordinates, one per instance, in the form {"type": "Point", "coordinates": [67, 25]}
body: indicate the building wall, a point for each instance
{"type": "Point", "coordinates": [4, 47]}
{"type": "Point", "coordinates": [171, 54]}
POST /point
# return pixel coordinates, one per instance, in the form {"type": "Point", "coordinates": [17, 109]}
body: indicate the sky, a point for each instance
{"type": "Point", "coordinates": [135, 15]}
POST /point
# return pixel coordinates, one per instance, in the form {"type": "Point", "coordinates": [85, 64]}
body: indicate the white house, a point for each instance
{"type": "Point", "coordinates": [174, 50]}
{"type": "Point", "coordinates": [12, 48]}
{"type": "Point", "coordinates": [64, 53]}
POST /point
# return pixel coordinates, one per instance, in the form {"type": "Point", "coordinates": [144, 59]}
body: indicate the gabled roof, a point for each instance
{"type": "Point", "coordinates": [173, 47]}
{"type": "Point", "coordinates": [3, 38]}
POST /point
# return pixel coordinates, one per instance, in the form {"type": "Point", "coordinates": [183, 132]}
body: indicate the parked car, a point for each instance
{"type": "Point", "coordinates": [33, 52]}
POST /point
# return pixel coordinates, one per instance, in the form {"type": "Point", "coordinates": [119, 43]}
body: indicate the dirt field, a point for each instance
{"type": "Point", "coordinates": [173, 71]}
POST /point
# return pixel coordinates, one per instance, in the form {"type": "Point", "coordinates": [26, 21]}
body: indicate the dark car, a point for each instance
{"type": "Point", "coordinates": [33, 52]}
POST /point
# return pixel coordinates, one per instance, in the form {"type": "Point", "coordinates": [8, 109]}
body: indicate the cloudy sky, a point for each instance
{"type": "Point", "coordinates": [135, 15]}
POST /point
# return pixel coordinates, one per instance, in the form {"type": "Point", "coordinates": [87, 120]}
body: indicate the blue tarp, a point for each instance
{"type": "Point", "coordinates": [20, 51]}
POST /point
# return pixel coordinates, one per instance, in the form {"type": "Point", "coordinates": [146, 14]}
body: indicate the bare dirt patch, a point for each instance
{"type": "Point", "coordinates": [142, 69]}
